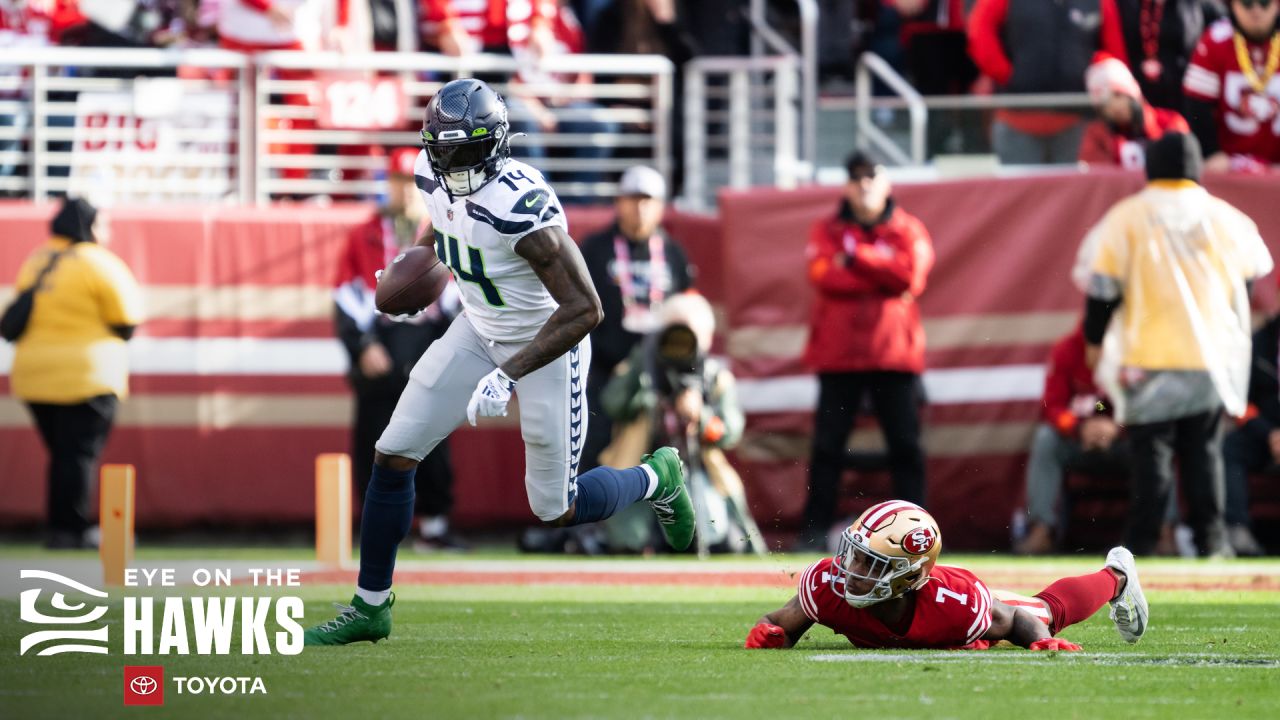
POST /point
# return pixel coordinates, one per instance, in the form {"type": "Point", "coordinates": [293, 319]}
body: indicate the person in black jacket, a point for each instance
{"type": "Point", "coordinates": [1255, 445]}
{"type": "Point", "coordinates": [634, 267]}
{"type": "Point", "coordinates": [1160, 36]}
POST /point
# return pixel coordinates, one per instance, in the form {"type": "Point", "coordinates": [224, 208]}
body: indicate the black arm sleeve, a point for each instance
{"type": "Point", "coordinates": [683, 275]}
{"type": "Point", "coordinates": [1097, 313]}
{"type": "Point", "coordinates": [348, 332]}
{"type": "Point", "coordinates": [1204, 124]}
{"type": "Point", "coordinates": [1264, 385]}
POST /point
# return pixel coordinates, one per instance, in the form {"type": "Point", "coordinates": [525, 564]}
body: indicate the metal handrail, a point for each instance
{"type": "Point", "coordinates": [763, 33]}
{"type": "Point", "coordinates": [1037, 101]}
{"type": "Point", "coordinates": [37, 72]}
{"type": "Point", "coordinates": [868, 134]}
{"type": "Point", "coordinates": [485, 63]}
{"type": "Point", "coordinates": [738, 117]}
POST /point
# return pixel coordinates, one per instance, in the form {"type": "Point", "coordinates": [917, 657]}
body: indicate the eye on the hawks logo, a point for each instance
{"type": "Point", "coordinates": [919, 541]}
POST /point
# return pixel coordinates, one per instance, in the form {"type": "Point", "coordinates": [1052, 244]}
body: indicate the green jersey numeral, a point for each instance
{"type": "Point", "coordinates": [447, 249]}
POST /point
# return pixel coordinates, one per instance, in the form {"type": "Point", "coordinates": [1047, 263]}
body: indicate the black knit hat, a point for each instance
{"type": "Point", "coordinates": [1176, 156]}
{"type": "Point", "coordinates": [859, 163]}
{"type": "Point", "coordinates": [74, 220]}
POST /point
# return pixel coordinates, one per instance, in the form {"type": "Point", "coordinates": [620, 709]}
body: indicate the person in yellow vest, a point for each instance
{"type": "Point", "coordinates": [70, 364]}
{"type": "Point", "coordinates": [1174, 265]}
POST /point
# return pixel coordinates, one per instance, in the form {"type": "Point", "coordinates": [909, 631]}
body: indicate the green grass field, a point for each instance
{"type": "Point", "coordinates": [570, 651]}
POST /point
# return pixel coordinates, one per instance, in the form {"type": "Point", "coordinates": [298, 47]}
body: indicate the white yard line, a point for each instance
{"type": "Point", "coordinates": [1015, 657]}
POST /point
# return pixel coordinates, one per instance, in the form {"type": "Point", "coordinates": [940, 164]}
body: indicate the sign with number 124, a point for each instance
{"type": "Point", "coordinates": [361, 103]}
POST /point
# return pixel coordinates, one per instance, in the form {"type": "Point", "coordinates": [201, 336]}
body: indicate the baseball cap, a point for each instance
{"type": "Point", "coordinates": [642, 180]}
{"type": "Point", "coordinates": [401, 161]}
{"type": "Point", "coordinates": [859, 165]}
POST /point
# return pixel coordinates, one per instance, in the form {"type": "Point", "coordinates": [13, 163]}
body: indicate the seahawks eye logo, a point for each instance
{"type": "Point", "coordinates": [919, 541]}
{"type": "Point", "coordinates": [87, 636]}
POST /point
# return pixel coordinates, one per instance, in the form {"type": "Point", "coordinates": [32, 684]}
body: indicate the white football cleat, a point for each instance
{"type": "Point", "coordinates": [1129, 609]}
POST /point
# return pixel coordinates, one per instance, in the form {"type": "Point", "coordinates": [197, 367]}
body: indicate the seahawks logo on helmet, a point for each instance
{"type": "Point", "coordinates": [466, 135]}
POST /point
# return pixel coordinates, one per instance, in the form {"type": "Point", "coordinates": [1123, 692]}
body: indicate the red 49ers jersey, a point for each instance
{"type": "Point", "coordinates": [1248, 121]}
{"type": "Point", "coordinates": [953, 611]}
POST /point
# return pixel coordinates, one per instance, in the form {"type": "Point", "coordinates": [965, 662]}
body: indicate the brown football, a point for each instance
{"type": "Point", "coordinates": [413, 280]}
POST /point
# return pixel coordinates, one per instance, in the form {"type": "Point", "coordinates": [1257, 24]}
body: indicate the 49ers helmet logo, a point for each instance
{"type": "Point", "coordinates": [919, 541]}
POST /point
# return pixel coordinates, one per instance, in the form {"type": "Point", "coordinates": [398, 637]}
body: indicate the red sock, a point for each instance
{"type": "Point", "coordinates": [1073, 599]}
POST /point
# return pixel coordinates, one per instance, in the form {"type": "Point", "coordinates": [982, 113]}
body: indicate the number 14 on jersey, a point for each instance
{"type": "Point", "coordinates": [447, 249]}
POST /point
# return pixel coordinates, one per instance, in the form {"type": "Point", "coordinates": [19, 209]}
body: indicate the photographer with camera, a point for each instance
{"type": "Point", "coordinates": [670, 392]}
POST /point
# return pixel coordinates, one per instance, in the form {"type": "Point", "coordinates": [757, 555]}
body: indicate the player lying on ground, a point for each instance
{"type": "Point", "coordinates": [883, 589]}
{"type": "Point", "coordinates": [528, 305]}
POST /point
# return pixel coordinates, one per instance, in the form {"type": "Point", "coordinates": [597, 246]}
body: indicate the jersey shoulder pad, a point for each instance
{"type": "Point", "coordinates": [517, 202]}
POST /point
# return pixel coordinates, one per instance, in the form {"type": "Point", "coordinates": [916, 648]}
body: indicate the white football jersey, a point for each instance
{"type": "Point", "coordinates": [476, 236]}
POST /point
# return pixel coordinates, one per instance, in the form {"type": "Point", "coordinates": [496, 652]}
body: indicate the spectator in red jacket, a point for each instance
{"type": "Point", "coordinates": [466, 27]}
{"type": "Point", "coordinates": [1076, 434]}
{"type": "Point", "coordinates": [868, 263]}
{"type": "Point", "coordinates": [1040, 46]}
{"type": "Point", "coordinates": [1126, 121]}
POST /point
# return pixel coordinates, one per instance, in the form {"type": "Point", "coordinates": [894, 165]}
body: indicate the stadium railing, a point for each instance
{"type": "Point", "coordinates": [741, 125]}
{"type": "Point", "coordinates": [766, 42]}
{"type": "Point", "coordinates": [218, 126]}
{"type": "Point", "coordinates": [909, 145]}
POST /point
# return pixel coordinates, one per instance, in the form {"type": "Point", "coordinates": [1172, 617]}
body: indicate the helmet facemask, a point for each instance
{"type": "Point", "coordinates": [464, 164]}
{"type": "Point", "coordinates": [857, 562]}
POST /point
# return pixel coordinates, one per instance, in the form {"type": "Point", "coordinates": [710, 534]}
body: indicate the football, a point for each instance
{"type": "Point", "coordinates": [411, 282]}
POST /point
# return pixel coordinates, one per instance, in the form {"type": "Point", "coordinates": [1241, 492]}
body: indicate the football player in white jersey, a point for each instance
{"type": "Point", "coordinates": [528, 308]}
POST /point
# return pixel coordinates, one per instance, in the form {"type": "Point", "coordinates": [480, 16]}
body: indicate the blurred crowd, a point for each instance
{"type": "Point", "coordinates": [452, 27]}
{"type": "Point", "coordinates": [1149, 66]}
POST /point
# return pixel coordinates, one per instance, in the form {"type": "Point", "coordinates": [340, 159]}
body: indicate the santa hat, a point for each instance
{"type": "Point", "coordinates": [1107, 76]}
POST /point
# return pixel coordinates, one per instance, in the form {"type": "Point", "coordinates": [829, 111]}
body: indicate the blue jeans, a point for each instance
{"type": "Point", "coordinates": [1015, 147]}
{"type": "Point", "coordinates": [1053, 455]}
{"type": "Point", "coordinates": [1245, 450]}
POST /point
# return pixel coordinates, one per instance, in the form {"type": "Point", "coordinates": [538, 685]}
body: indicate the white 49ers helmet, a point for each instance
{"type": "Point", "coordinates": [893, 546]}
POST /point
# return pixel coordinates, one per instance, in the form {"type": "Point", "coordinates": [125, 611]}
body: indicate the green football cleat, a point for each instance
{"type": "Point", "coordinates": [356, 622]}
{"type": "Point", "coordinates": [670, 502]}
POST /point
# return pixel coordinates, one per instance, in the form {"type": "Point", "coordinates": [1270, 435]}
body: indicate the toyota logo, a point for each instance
{"type": "Point", "coordinates": [143, 685]}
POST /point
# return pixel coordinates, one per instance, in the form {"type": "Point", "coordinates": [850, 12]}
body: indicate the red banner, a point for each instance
{"type": "Point", "coordinates": [998, 297]}
{"type": "Point", "coordinates": [237, 381]}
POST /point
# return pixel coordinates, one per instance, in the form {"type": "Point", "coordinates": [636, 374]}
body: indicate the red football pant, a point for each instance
{"type": "Point", "coordinates": [1073, 599]}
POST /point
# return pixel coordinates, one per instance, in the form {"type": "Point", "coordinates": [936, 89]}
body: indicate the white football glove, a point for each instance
{"type": "Point", "coordinates": [491, 396]}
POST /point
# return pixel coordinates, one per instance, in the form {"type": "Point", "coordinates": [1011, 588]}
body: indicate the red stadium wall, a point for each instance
{"type": "Point", "coordinates": [224, 443]}
{"type": "Point", "coordinates": [998, 297]}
